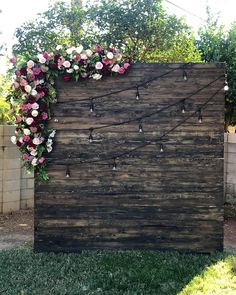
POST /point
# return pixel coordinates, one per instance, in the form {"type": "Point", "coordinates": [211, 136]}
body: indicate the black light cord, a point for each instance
{"type": "Point", "coordinates": [158, 140]}
{"type": "Point", "coordinates": [136, 86]}
{"type": "Point", "coordinates": [141, 118]}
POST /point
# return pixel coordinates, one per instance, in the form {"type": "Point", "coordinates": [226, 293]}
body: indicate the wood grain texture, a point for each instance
{"type": "Point", "coordinates": [154, 201]}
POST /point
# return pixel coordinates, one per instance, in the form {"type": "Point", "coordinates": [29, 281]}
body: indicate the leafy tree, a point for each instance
{"type": "Point", "coordinates": [217, 45]}
{"type": "Point", "coordinates": [60, 24]}
{"type": "Point", "coordinates": [144, 28]}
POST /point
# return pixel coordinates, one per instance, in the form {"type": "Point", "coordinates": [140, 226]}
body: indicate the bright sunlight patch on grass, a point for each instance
{"type": "Point", "coordinates": [115, 273]}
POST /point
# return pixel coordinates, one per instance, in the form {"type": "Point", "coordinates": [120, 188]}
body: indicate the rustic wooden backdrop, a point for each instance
{"type": "Point", "coordinates": [167, 201]}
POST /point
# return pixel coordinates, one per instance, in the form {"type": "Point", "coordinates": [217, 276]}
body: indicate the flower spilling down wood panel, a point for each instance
{"type": "Point", "coordinates": [33, 92]}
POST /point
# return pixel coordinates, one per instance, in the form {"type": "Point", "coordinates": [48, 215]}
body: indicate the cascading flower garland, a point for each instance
{"type": "Point", "coordinates": [33, 93]}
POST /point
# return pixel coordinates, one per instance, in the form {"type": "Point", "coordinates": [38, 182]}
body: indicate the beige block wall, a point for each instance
{"type": "Point", "coordinates": [16, 186]}
{"type": "Point", "coordinates": [230, 167]}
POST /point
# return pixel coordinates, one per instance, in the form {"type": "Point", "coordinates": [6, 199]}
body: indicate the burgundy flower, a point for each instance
{"type": "Point", "coordinates": [66, 77]}
{"type": "Point", "coordinates": [35, 124]}
{"type": "Point", "coordinates": [111, 49]}
{"type": "Point", "coordinates": [30, 144]}
{"type": "Point", "coordinates": [18, 143]}
{"type": "Point", "coordinates": [105, 70]}
{"type": "Point", "coordinates": [43, 106]}
{"type": "Point", "coordinates": [56, 58]}
{"type": "Point", "coordinates": [52, 66]}
{"type": "Point", "coordinates": [32, 99]}
{"type": "Point", "coordinates": [37, 71]}
{"type": "Point", "coordinates": [23, 71]}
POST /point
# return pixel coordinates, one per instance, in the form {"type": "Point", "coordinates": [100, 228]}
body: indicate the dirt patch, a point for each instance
{"type": "Point", "coordinates": [16, 229]}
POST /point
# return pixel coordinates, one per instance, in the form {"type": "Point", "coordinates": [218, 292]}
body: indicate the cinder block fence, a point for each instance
{"type": "Point", "coordinates": [16, 186]}
{"type": "Point", "coordinates": [230, 168]}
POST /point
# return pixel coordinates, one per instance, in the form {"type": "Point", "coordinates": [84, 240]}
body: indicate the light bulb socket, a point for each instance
{"type": "Point", "coordinates": [67, 172]}
{"type": "Point", "coordinates": [161, 148]}
{"type": "Point", "coordinates": [114, 166]}
{"type": "Point", "coordinates": [90, 135]}
{"type": "Point", "coordinates": [140, 127]}
{"type": "Point", "coordinates": [183, 108]}
{"type": "Point", "coordinates": [91, 106]}
{"type": "Point", "coordinates": [137, 94]}
{"type": "Point", "coordinates": [185, 75]}
{"type": "Point", "coordinates": [199, 116]}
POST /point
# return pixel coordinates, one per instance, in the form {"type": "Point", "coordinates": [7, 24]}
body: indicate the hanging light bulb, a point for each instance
{"type": "Point", "coordinates": [183, 108]}
{"type": "Point", "coordinates": [67, 172]}
{"type": "Point", "coordinates": [114, 166]}
{"type": "Point", "coordinates": [226, 86]}
{"type": "Point", "coordinates": [90, 135]}
{"type": "Point", "coordinates": [185, 75]}
{"type": "Point", "coordinates": [91, 106]}
{"type": "Point", "coordinates": [200, 116]}
{"type": "Point", "coordinates": [140, 127]}
{"type": "Point", "coordinates": [161, 148]}
{"type": "Point", "coordinates": [137, 94]}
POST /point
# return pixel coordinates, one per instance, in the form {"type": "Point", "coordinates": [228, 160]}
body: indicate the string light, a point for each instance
{"type": "Point", "coordinates": [185, 75]}
{"type": "Point", "coordinates": [91, 106]}
{"type": "Point", "coordinates": [67, 172]}
{"type": "Point", "coordinates": [226, 86]}
{"type": "Point", "coordinates": [183, 108]}
{"type": "Point", "coordinates": [137, 94]}
{"type": "Point", "coordinates": [114, 166]}
{"type": "Point", "coordinates": [200, 116]}
{"type": "Point", "coordinates": [161, 148]}
{"type": "Point", "coordinates": [90, 135]}
{"type": "Point", "coordinates": [140, 127]}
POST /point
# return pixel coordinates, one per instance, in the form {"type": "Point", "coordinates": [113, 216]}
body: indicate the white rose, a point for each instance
{"type": "Point", "coordinates": [83, 56]}
{"type": "Point", "coordinates": [29, 121]}
{"type": "Point", "coordinates": [34, 92]}
{"type": "Point", "coordinates": [52, 134]}
{"type": "Point", "coordinates": [34, 113]}
{"type": "Point", "coordinates": [96, 76]}
{"type": "Point", "coordinates": [70, 71]}
{"type": "Point", "coordinates": [76, 67]}
{"type": "Point", "coordinates": [36, 141]}
{"type": "Point", "coordinates": [110, 55]}
{"type": "Point", "coordinates": [89, 52]}
{"type": "Point", "coordinates": [79, 49]}
{"type": "Point", "coordinates": [70, 50]}
{"type": "Point", "coordinates": [28, 88]}
{"type": "Point", "coordinates": [33, 152]}
{"type": "Point", "coordinates": [13, 139]}
{"type": "Point", "coordinates": [42, 59]}
{"type": "Point", "coordinates": [35, 106]}
{"type": "Point", "coordinates": [116, 68]}
{"type": "Point", "coordinates": [26, 131]}
{"type": "Point", "coordinates": [13, 102]}
{"type": "Point", "coordinates": [49, 142]}
{"type": "Point", "coordinates": [59, 47]}
{"type": "Point", "coordinates": [21, 139]}
{"type": "Point", "coordinates": [66, 64]}
{"type": "Point", "coordinates": [34, 162]}
{"type": "Point", "coordinates": [49, 149]}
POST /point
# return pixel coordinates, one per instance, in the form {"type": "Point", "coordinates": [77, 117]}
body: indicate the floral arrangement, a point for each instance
{"type": "Point", "coordinates": [33, 93]}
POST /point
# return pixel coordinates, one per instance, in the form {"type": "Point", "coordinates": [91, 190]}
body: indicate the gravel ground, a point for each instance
{"type": "Point", "coordinates": [17, 229]}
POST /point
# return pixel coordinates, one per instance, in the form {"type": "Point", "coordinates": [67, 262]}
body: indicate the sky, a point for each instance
{"type": "Point", "coordinates": [14, 13]}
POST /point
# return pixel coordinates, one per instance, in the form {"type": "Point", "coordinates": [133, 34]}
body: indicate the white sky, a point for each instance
{"type": "Point", "coordinates": [15, 12]}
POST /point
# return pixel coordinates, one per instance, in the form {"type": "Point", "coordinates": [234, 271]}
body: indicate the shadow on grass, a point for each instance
{"type": "Point", "coordinates": [112, 273]}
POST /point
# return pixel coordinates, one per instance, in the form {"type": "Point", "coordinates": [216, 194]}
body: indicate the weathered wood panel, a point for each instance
{"type": "Point", "coordinates": [167, 201]}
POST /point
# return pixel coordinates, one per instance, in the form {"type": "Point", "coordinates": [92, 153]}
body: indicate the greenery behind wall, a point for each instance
{"type": "Point", "coordinates": [142, 28]}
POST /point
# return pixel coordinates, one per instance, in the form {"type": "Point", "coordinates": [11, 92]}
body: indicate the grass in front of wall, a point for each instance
{"type": "Point", "coordinates": [116, 273]}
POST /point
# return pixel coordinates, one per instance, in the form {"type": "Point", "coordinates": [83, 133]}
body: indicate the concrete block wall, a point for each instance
{"type": "Point", "coordinates": [230, 167]}
{"type": "Point", "coordinates": [16, 186]}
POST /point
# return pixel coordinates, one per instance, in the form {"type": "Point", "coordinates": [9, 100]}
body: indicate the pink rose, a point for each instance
{"type": "Point", "coordinates": [121, 70]}
{"type": "Point", "coordinates": [30, 64]}
{"type": "Point", "coordinates": [37, 71]}
{"type": "Point", "coordinates": [23, 107]}
{"type": "Point", "coordinates": [13, 60]}
{"type": "Point", "coordinates": [107, 61]}
{"type": "Point", "coordinates": [23, 82]}
{"type": "Point", "coordinates": [84, 75]}
{"type": "Point", "coordinates": [77, 57]}
{"type": "Point", "coordinates": [31, 77]}
{"type": "Point", "coordinates": [18, 119]}
{"type": "Point", "coordinates": [66, 64]}
{"type": "Point", "coordinates": [26, 138]}
{"type": "Point", "coordinates": [18, 73]}
{"type": "Point", "coordinates": [36, 141]}
{"type": "Point", "coordinates": [126, 65]}
{"type": "Point", "coordinates": [41, 160]}
{"type": "Point", "coordinates": [44, 116]}
{"type": "Point", "coordinates": [16, 85]}
{"type": "Point", "coordinates": [98, 48]}
{"type": "Point", "coordinates": [29, 121]}
{"type": "Point", "coordinates": [35, 106]}
{"type": "Point", "coordinates": [28, 106]}
{"type": "Point", "coordinates": [33, 129]}
{"type": "Point", "coordinates": [46, 55]}
{"type": "Point", "coordinates": [98, 65]}
{"type": "Point", "coordinates": [26, 157]}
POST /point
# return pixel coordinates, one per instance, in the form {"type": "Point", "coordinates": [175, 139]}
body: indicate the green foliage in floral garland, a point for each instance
{"type": "Point", "coordinates": [33, 93]}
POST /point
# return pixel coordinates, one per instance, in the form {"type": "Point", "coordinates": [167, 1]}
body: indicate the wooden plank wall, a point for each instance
{"type": "Point", "coordinates": [166, 201]}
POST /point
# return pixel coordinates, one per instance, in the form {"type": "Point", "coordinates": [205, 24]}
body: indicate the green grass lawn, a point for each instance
{"type": "Point", "coordinates": [113, 273]}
